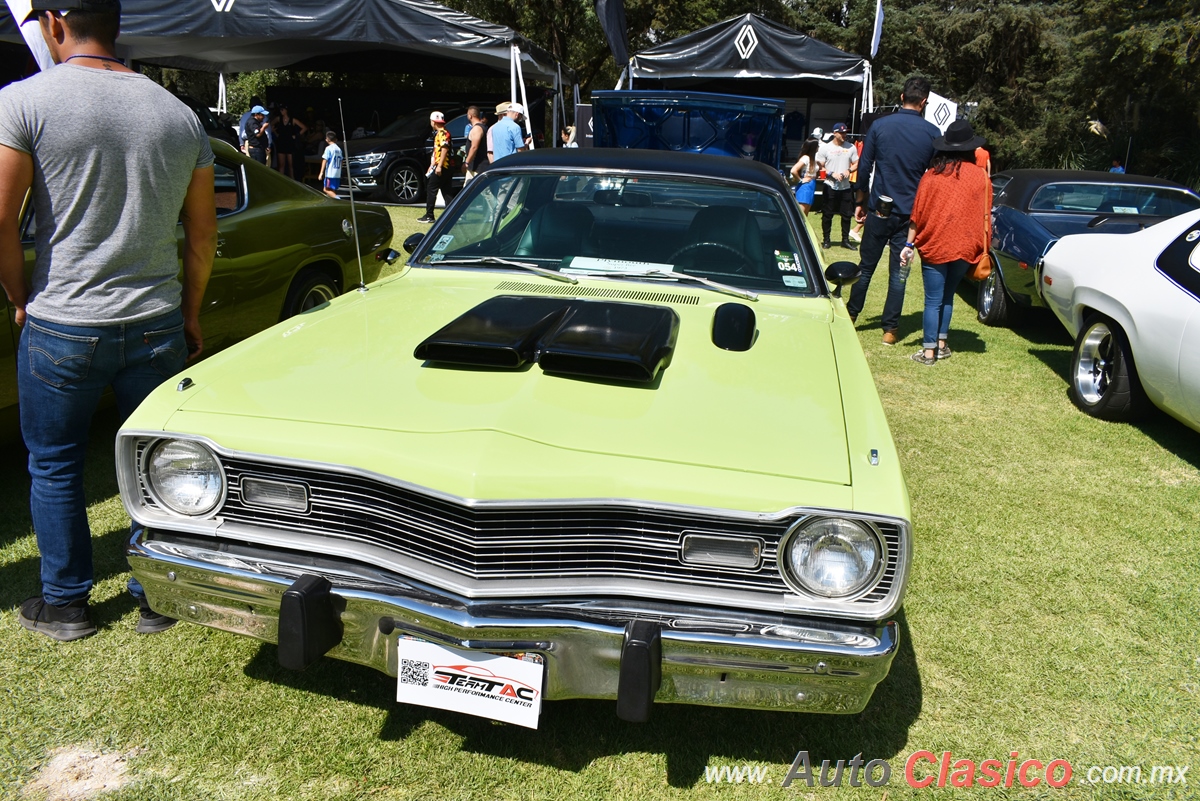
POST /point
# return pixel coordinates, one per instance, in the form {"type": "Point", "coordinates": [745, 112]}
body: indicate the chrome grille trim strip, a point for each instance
{"type": "Point", "coordinates": [647, 572]}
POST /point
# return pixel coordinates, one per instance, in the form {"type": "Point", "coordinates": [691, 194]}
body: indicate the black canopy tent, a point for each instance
{"type": "Point", "coordinates": [395, 36]}
{"type": "Point", "coordinates": [751, 55]}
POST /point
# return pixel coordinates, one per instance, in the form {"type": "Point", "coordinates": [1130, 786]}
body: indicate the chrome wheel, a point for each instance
{"type": "Point", "coordinates": [1103, 377]}
{"type": "Point", "coordinates": [987, 295]}
{"type": "Point", "coordinates": [315, 296]}
{"type": "Point", "coordinates": [404, 185]}
{"type": "Point", "coordinates": [309, 290]}
{"type": "Point", "coordinates": [992, 306]}
{"type": "Point", "coordinates": [1094, 367]}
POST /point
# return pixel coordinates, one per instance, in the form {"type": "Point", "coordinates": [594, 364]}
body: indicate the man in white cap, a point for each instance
{"type": "Point", "coordinates": [438, 176]}
{"type": "Point", "coordinates": [508, 138]}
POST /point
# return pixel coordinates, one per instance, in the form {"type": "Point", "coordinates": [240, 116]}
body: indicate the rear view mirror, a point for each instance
{"type": "Point", "coordinates": [410, 244]}
{"type": "Point", "coordinates": [842, 273]}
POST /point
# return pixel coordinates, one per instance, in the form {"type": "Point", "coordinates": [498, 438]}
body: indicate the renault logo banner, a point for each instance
{"type": "Point", "coordinates": [747, 41]}
{"type": "Point", "coordinates": [940, 111]}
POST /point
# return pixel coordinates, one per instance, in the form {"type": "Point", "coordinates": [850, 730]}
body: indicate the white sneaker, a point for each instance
{"type": "Point", "coordinates": [855, 236]}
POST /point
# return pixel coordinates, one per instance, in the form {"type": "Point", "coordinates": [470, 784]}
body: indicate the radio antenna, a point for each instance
{"type": "Point", "coordinates": [362, 284]}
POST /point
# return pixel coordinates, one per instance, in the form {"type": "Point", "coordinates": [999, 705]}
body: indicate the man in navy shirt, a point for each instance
{"type": "Point", "coordinates": [897, 149]}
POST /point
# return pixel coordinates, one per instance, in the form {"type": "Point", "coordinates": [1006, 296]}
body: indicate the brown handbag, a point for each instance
{"type": "Point", "coordinates": [982, 270]}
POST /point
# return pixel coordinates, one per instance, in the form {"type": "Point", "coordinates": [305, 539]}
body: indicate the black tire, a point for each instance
{"type": "Point", "coordinates": [308, 290]}
{"type": "Point", "coordinates": [404, 184]}
{"type": "Point", "coordinates": [993, 306]}
{"type": "Point", "coordinates": [1104, 380]}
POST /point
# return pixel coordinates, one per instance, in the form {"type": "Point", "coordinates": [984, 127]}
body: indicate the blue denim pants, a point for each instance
{"type": "Point", "coordinates": [878, 233]}
{"type": "Point", "coordinates": [941, 280]}
{"type": "Point", "coordinates": [62, 371]}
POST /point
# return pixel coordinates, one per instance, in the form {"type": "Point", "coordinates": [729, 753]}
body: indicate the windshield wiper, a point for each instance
{"type": "Point", "coordinates": [724, 289]}
{"type": "Point", "coordinates": [533, 268]}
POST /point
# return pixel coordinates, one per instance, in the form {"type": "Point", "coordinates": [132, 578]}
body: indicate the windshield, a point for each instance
{"type": "Point", "coordinates": [407, 126]}
{"type": "Point", "coordinates": [1093, 198]}
{"type": "Point", "coordinates": [590, 225]}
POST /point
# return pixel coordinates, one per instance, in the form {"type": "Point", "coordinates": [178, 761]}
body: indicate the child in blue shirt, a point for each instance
{"type": "Point", "coordinates": [331, 166]}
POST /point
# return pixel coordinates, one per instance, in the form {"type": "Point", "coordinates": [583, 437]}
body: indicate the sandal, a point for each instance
{"type": "Point", "coordinates": [920, 358]}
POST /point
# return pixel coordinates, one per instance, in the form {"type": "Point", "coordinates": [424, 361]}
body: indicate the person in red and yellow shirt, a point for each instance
{"type": "Point", "coordinates": [438, 176]}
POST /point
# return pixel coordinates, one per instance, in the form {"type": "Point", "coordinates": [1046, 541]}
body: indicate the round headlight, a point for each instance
{"type": "Point", "coordinates": [184, 476]}
{"type": "Point", "coordinates": [832, 557]}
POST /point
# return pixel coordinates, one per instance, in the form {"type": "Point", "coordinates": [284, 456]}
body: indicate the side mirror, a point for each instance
{"type": "Point", "coordinates": [389, 255]}
{"type": "Point", "coordinates": [413, 240]}
{"type": "Point", "coordinates": [842, 273]}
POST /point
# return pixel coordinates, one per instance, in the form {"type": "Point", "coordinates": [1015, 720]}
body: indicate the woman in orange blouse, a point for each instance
{"type": "Point", "coordinates": [949, 228]}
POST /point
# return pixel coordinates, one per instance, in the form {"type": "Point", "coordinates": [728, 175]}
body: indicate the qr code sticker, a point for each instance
{"type": "Point", "coordinates": [414, 672]}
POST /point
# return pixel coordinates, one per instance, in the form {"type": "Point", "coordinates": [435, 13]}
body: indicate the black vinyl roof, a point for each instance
{"type": "Point", "coordinates": [1022, 184]}
{"type": "Point", "coordinates": [650, 161]}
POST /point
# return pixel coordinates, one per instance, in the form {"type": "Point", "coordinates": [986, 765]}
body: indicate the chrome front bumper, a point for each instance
{"type": "Point", "coordinates": [709, 655]}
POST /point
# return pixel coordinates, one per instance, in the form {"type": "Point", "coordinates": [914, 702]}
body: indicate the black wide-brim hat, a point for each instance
{"type": "Point", "coordinates": [959, 136]}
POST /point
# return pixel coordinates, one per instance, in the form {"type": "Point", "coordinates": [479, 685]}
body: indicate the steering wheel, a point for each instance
{"type": "Point", "coordinates": [743, 260]}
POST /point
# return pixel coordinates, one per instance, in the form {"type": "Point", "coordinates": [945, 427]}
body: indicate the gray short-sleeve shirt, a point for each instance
{"type": "Point", "coordinates": [113, 155]}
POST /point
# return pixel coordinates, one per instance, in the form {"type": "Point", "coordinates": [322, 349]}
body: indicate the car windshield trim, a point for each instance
{"type": "Point", "coordinates": [715, 286]}
{"type": "Point", "coordinates": [497, 260]}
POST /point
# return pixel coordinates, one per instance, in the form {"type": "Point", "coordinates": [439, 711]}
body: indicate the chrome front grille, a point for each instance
{"type": "Point", "coordinates": [492, 542]}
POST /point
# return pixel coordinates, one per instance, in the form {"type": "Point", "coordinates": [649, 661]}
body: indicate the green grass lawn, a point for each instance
{"type": "Point", "coordinates": [1052, 611]}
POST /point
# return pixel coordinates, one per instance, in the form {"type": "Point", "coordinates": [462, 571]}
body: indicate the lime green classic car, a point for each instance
{"type": "Point", "coordinates": [283, 248]}
{"type": "Point", "coordinates": [615, 438]}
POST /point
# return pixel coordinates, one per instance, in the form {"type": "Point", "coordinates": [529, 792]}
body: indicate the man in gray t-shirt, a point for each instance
{"type": "Point", "coordinates": [104, 305]}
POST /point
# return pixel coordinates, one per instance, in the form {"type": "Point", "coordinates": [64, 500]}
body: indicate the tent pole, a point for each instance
{"type": "Point", "coordinates": [222, 101]}
{"type": "Point", "coordinates": [524, 97]}
{"type": "Point", "coordinates": [513, 55]}
{"type": "Point", "coordinates": [554, 109]}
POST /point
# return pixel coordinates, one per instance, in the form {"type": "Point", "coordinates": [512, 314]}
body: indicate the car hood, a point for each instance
{"type": "Point", "coordinates": [347, 372]}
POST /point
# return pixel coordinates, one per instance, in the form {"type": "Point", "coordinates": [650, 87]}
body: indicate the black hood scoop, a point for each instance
{"type": "Point", "coordinates": [583, 338]}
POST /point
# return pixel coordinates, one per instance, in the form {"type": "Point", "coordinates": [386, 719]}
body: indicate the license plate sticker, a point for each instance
{"type": "Point", "coordinates": [480, 684]}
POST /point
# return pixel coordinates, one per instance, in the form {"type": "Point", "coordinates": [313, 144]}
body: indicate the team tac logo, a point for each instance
{"type": "Point", "coordinates": [475, 680]}
{"type": "Point", "coordinates": [222, 5]}
{"type": "Point", "coordinates": [746, 41]}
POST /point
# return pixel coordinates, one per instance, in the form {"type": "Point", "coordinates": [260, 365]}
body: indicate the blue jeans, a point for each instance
{"type": "Point", "coordinates": [880, 232]}
{"type": "Point", "coordinates": [62, 371]}
{"type": "Point", "coordinates": [941, 280]}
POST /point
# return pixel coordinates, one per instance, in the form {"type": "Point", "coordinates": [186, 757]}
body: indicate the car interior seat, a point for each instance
{"type": "Point", "coordinates": [732, 226]}
{"type": "Point", "coordinates": [555, 231]}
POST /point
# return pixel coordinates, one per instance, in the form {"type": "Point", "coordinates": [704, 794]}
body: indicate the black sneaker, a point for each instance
{"type": "Point", "coordinates": [826, 244]}
{"type": "Point", "coordinates": [848, 245]}
{"type": "Point", "coordinates": [151, 622]}
{"type": "Point", "coordinates": [62, 623]}
{"type": "Point", "coordinates": [428, 218]}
